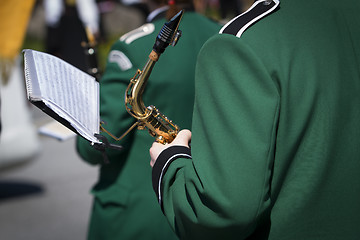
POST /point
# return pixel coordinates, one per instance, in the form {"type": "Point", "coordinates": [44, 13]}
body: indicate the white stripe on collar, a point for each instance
{"type": "Point", "coordinates": [251, 11]}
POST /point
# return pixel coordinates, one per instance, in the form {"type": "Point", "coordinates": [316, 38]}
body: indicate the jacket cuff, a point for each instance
{"type": "Point", "coordinates": [163, 162]}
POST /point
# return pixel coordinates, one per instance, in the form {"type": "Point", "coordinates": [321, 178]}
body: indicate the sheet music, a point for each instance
{"type": "Point", "coordinates": [72, 91]}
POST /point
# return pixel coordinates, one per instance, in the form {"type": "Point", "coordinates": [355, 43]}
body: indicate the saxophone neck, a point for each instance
{"type": "Point", "coordinates": [133, 98]}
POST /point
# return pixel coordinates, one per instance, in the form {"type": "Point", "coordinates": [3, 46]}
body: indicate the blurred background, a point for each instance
{"type": "Point", "coordinates": [44, 185]}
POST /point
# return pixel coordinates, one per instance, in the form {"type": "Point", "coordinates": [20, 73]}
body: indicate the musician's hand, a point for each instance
{"type": "Point", "coordinates": [182, 139]}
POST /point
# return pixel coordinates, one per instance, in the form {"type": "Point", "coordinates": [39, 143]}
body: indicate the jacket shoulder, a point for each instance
{"type": "Point", "coordinates": [137, 33]}
{"type": "Point", "coordinates": [260, 9]}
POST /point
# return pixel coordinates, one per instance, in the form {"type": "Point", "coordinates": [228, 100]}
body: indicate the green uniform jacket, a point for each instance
{"type": "Point", "coordinates": [276, 131]}
{"type": "Point", "coordinates": [125, 205]}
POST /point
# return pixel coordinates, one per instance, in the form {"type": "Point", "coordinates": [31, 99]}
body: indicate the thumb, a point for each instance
{"type": "Point", "coordinates": [183, 138]}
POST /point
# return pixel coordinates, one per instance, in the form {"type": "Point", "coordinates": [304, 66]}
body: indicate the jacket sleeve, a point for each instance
{"type": "Point", "coordinates": [222, 190]}
{"type": "Point", "coordinates": [119, 70]}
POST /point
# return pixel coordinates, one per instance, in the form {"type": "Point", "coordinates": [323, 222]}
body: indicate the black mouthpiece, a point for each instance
{"type": "Point", "coordinates": [169, 34]}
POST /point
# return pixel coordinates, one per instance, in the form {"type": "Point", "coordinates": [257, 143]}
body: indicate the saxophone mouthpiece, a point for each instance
{"type": "Point", "coordinates": [169, 34]}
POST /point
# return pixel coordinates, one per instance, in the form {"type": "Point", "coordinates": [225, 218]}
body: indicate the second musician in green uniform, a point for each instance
{"type": "Point", "coordinates": [124, 203]}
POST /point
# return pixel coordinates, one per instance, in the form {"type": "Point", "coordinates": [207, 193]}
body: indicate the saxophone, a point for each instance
{"type": "Point", "coordinates": [158, 125]}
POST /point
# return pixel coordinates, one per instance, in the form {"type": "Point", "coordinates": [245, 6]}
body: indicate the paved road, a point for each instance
{"type": "Point", "coordinates": [48, 198]}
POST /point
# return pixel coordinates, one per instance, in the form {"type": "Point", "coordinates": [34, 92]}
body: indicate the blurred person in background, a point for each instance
{"type": "Point", "coordinates": [140, 5]}
{"type": "Point", "coordinates": [68, 24]}
{"type": "Point", "coordinates": [232, 8]}
{"type": "Point", "coordinates": [124, 205]}
{"type": "Point", "coordinates": [19, 142]}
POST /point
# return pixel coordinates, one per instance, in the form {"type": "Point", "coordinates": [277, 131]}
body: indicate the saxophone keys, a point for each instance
{"type": "Point", "coordinates": [141, 126]}
{"type": "Point", "coordinates": [160, 139]}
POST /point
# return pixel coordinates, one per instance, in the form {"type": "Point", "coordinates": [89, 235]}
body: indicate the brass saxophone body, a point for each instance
{"type": "Point", "coordinates": [158, 125]}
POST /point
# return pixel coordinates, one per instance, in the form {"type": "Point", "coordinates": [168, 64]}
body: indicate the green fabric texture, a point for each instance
{"type": "Point", "coordinates": [125, 205]}
{"type": "Point", "coordinates": [275, 133]}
